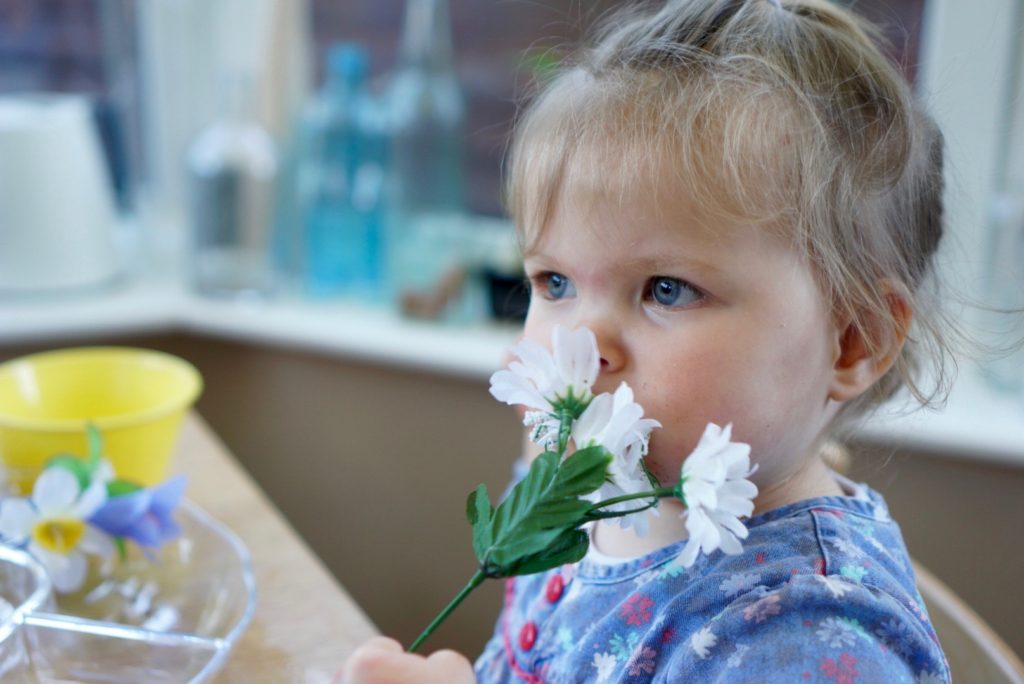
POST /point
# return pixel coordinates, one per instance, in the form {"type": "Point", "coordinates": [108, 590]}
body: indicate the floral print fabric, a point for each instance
{"type": "Point", "coordinates": [822, 592]}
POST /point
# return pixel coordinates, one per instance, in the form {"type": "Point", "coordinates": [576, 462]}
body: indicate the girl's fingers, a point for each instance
{"type": "Point", "coordinates": [383, 661]}
{"type": "Point", "coordinates": [383, 644]}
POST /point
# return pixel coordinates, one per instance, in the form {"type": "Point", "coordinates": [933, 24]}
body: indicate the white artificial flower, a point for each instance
{"type": "Point", "coordinates": [616, 423]}
{"type": "Point", "coordinates": [544, 428]}
{"type": "Point", "coordinates": [104, 471]}
{"type": "Point", "coordinates": [717, 494]}
{"type": "Point", "coordinates": [54, 524]}
{"type": "Point", "coordinates": [545, 380]}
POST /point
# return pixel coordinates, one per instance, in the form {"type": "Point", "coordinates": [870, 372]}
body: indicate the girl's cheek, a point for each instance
{"type": "Point", "coordinates": [664, 462]}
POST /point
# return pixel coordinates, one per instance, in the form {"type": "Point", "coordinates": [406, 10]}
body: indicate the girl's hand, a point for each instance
{"type": "Point", "coordinates": [383, 661]}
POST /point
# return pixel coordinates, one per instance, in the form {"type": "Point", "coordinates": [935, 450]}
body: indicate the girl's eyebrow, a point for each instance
{"type": "Point", "coordinates": [660, 263]}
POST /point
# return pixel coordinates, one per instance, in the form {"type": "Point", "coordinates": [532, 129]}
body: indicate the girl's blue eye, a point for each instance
{"type": "Point", "coordinates": [557, 286]}
{"type": "Point", "coordinates": [673, 292]}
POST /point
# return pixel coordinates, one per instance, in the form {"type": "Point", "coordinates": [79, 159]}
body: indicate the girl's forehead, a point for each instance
{"type": "Point", "coordinates": [600, 193]}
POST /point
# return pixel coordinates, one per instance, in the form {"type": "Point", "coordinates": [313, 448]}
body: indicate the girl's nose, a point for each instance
{"type": "Point", "coordinates": [611, 348]}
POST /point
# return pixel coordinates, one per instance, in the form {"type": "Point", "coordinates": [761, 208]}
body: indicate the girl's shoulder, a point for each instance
{"type": "Point", "coordinates": [823, 588]}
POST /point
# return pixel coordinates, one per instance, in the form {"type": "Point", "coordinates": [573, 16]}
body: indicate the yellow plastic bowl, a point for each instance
{"type": "Point", "coordinates": [135, 397]}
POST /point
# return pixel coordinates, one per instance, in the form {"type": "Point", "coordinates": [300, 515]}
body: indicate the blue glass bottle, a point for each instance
{"type": "Point", "coordinates": [340, 181]}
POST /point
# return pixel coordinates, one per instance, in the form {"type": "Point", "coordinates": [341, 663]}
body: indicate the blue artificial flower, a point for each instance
{"type": "Point", "coordinates": [144, 516]}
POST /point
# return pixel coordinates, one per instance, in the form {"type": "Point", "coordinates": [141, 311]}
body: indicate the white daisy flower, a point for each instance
{"type": "Point", "coordinates": [547, 381]}
{"type": "Point", "coordinates": [616, 422]}
{"type": "Point", "coordinates": [54, 525]}
{"type": "Point", "coordinates": [717, 494]}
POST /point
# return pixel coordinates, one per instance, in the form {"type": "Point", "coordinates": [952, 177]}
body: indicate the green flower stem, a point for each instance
{"type": "Point", "coordinates": [659, 493]}
{"type": "Point", "coordinates": [565, 420]}
{"type": "Point", "coordinates": [475, 582]}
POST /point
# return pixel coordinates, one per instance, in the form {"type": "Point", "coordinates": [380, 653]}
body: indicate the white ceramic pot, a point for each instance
{"type": "Point", "coordinates": [57, 210]}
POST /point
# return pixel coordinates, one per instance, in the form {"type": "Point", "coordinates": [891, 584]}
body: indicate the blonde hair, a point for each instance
{"type": "Point", "coordinates": [790, 118]}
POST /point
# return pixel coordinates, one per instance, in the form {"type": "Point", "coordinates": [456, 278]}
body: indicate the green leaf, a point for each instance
{"type": "Point", "coordinates": [478, 511]}
{"type": "Point", "coordinates": [95, 440]}
{"type": "Point", "coordinates": [568, 547]}
{"type": "Point", "coordinates": [524, 496]}
{"type": "Point", "coordinates": [122, 487]}
{"type": "Point", "coordinates": [516, 547]}
{"type": "Point", "coordinates": [580, 474]}
{"type": "Point", "coordinates": [75, 466]}
{"type": "Point", "coordinates": [543, 508]}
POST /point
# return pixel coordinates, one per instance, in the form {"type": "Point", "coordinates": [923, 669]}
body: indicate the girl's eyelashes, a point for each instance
{"type": "Point", "coordinates": [663, 291]}
{"type": "Point", "coordinates": [552, 285]}
{"type": "Point", "coordinates": [671, 293]}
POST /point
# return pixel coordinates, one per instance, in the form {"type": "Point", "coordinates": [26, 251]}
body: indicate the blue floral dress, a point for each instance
{"type": "Point", "coordinates": [823, 592]}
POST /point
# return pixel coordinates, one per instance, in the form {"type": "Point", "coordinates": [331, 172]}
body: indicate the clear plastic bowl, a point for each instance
{"type": "Point", "coordinates": [173, 618]}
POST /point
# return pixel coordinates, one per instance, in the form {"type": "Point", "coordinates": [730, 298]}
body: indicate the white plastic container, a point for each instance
{"type": "Point", "coordinates": [57, 211]}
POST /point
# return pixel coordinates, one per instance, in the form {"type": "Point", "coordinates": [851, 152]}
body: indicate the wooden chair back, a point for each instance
{"type": "Point", "coordinates": [975, 653]}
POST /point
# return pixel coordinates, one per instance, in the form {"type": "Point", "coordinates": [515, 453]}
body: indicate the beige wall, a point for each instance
{"type": "Point", "coordinates": [372, 466]}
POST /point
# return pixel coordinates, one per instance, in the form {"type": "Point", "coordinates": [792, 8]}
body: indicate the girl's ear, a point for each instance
{"type": "Point", "coordinates": [865, 350]}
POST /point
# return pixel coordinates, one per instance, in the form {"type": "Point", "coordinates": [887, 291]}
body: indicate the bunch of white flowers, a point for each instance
{"type": "Point", "coordinates": [540, 523]}
{"type": "Point", "coordinates": [714, 482]}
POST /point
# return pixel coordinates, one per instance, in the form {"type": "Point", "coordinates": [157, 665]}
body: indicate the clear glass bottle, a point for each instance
{"type": "Point", "coordinates": [426, 119]}
{"type": "Point", "coordinates": [341, 180]}
{"type": "Point", "coordinates": [232, 166]}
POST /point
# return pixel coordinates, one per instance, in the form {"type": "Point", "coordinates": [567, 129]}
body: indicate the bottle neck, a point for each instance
{"type": "Point", "coordinates": [426, 38]}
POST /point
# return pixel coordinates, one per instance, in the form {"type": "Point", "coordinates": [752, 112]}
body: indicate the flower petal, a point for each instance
{"type": "Point", "coordinates": [689, 553]}
{"type": "Point", "coordinates": [55, 492]}
{"type": "Point", "coordinates": [167, 496]}
{"type": "Point", "coordinates": [96, 543]}
{"type": "Point", "coordinates": [91, 499]}
{"type": "Point", "coordinates": [576, 358]}
{"type": "Point", "coordinates": [68, 573]}
{"type": "Point", "coordinates": [588, 427]}
{"type": "Point", "coordinates": [17, 516]}
{"type": "Point", "coordinates": [514, 389]}
{"type": "Point", "coordinates": [119, 513]}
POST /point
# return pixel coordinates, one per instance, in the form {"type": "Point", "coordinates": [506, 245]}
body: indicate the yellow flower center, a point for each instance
{"type": "Point", "coordinates": [59, 535]}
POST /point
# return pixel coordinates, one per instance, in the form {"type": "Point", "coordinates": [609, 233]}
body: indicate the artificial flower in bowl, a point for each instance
{"type": "Point", "coordinates": [139, 584]}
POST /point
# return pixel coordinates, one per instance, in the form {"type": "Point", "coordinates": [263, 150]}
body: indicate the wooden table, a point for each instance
{"type": "Point", "coordinates": [305, 625]}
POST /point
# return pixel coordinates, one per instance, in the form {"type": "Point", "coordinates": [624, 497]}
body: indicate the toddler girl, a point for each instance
{"type": "Point", "coordinates": [742, 200]}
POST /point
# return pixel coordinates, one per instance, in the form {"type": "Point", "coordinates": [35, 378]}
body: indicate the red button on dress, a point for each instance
{"type": "Point", "coordinates": [527, 636]}
{"type": "Point", "coordinates": [556, 585]}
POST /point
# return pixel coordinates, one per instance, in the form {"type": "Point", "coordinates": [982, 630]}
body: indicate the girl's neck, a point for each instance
{"type": "Point", "coordinates": [665, 526]}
